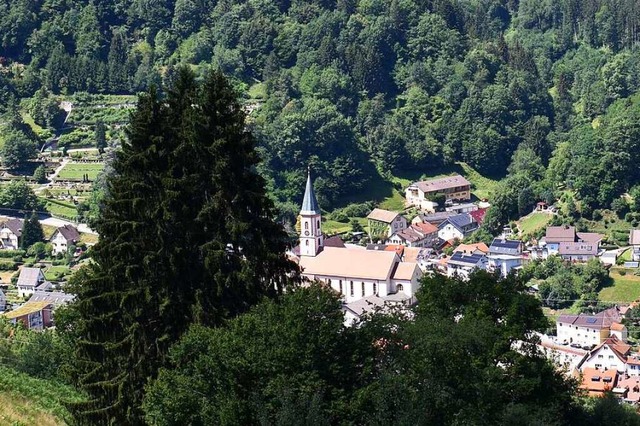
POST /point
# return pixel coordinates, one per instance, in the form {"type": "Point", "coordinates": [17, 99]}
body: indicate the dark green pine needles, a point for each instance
{"type": "Point", "coordinates": [187, 237]}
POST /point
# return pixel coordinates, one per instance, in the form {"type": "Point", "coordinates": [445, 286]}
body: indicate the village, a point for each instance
{"type": "Point", "coordinates": [385, 272]}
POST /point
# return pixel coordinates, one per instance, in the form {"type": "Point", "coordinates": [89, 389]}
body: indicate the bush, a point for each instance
{"type": "Point", "coordinates": [623, 272]}
{"type": "Point", "coordinates": [597, 214]}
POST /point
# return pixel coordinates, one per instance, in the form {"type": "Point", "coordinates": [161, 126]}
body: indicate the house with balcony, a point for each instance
{"type": "Point", "coordinates": [385, 223]}
{"type": "Point", "coordinates": [505, 255]}
{"type": "Point", "coordinates": [453, 188]}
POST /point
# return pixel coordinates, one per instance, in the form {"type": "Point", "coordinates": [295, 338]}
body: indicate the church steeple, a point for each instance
{"type": "Point", "coordinates": [310, 222]}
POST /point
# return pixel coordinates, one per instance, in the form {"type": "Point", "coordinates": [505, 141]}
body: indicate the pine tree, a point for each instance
{"type": "Point", "coordinates": [187, 236]}
{"type": "Point", "coordinates": [32, 231]}
{"type": "Point", "coordinates": [101, 136]}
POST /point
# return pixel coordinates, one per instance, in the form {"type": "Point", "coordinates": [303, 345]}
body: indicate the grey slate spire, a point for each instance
{"type": "Point", "coordinates": [310, 203]}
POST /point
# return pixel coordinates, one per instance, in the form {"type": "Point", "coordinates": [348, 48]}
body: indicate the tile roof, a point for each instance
{"type": "Point", "coordinates": [399, 249]}
{"type": "Point", "coordinates": [589, 237]}
{"type": "Point", "coordinates": [504, 246]}
{"type": "Point", "coordinates": [334, 241]}
{"type": "Point", "coordinates": [426, 228]}
{"type": "Point", "coordinates": [30, 276]}
{"type": "Point", "coordinates": [460, 222]}
{"type": "Point", "coordinates": [557, 234]}
{"type": "Point", "coordinates": [27, 308]}
{"type": "Point", "coordinates": [410, 235]}
{"type": "Point", "coordinates": [14, 225]}
{"type": "Point", "coordinates": [616, 326]}
{"type": "Point", "coordinates": [347, 263]}
{"type": "Point", "coordinates": [382, 215]}
{"type": "Point", "coordinates": [404, 271]}
{"type": "Point", "coordinates": [571, 248]}
{"type": "Point", "coordinates": [56, 298]}
{"type": "Point", "coordinates": [472, 248]}
{"type": "Point", "coordinates": [436, 218]}
{"type": "Point", "coordinates": [441, 183]}
{"type": "Point", "coordinates": [603, 319]}
{"type": "Point", "coordinates": [478, 215]}
{"type": "Point", "coordinates": [598, 381]}
{"type": "Point", "coordinates": [69, 232]}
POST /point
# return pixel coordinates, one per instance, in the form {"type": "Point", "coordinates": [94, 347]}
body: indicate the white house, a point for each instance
{"type": "Point", "coordinates": [421, 194]}
{"type": "Point", "coordinates": [386, 221]}
{"type": "Point", "coordinates": [611, 354]}
{"type": "Point", "coordinates": [457, 227]}
{"type": "Point", "coordinates": [28, 280]}
{"type": "Point", "coordinates": [462, 264]}
{"type": "Point", "coordinates": [590, 330]}
{"type": "Point", "coordinates": [505, 255]}
{"type": "Point", "coordinates": [354, 273]}
{"type": "Point", "coordinates": [63, 238]}
{"type": "Point", "coordinates": [569, 244]}
{"type": "Point", "coordinates": [634, 242]}
{"type": "Point", "coordinates": [10, 233]}
{"type": "Point", "coordinates": [416, 235]}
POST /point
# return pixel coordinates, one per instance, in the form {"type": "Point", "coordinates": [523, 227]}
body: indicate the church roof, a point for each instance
{"type": "Point", "coordinates": [350, 264]}
{"type": "Point", "coordinates": [309, 202]}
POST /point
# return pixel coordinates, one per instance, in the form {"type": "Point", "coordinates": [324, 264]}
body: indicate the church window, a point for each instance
{"type": "Point", "coordinates": [351, 288]}
{"type": "Point", "coordinates": [399, 287]}
{"type": "Point", "coordinates": [306, 225]}
{"type": "Point", "coordinates": [375, 289]}
{"type": "Point", "coordinates": [307, 242]}
{"type": "Point", "coordinates": [340, 284]}
{"type": "Point", "coordinates": [318, 224]}
{"type": "Point", "coordinates": [362, 289]}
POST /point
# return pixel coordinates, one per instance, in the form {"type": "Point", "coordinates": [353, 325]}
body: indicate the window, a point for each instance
{"type": "Point", "coordinates": [362, 289]}
{"type": "Point", "coordinates": [610, 356]}
{"type": "Point", "coordinates": [598, 365]}
{"type": "Point", "coordinates": [306, 225]}
{"type": "Point", "coordinates": [399, 287]}
{"type": "Point", "coordinates": [340, 286]}
{"type": "Point", "coordinates": [600, 356]}
{"type": "Point", "coordinates": [307, 242]}
{"type": "Point", "coordinates": [351, 288]}
{"type": "Point", "coordinates": [375, 288]}
{"type": "Point", "coordinates": [318, 224]}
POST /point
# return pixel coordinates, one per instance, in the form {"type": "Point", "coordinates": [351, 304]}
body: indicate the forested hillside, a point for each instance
{"type": "Point", "coordinates": [363, 88]}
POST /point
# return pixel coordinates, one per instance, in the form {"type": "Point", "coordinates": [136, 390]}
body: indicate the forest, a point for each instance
{"type": "Point", "coordinates": [540, 94]}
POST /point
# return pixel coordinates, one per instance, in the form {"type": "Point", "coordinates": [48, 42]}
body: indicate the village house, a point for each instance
{"type": "Point", "coordinates": [421, 194]}
{"type": "Point", "coordinates": [475, 248]}
{"type": "Point", "coordinates": [385, 223]}
{"type": "Point", "coordinates": [355, 273]}
{"type": "Point", "coordinates": [10, 233]}
{"type": "Point", "coordinates": [457, 227]}
{"type": "Point", "coordinates": [63, 238]}
{"type": "Point", "coordinates": [611, 354]}
{"type": "Point", "coordinates": [33, 315]}
{"type": "Point", "coordinates": [55, 298]}
{"type": "Point", "coordinates": [461, 264]}
{"type": "Point", "coordinates": [462, 208]}
{"type": "Point", "coordinates": [634, 242]}
{"type": "Point", "coordinates": [28, 280]}
{"type": "Point", "coordinates": [564, 356]}
{"type": "Point", "coordinates": [568, 244]}
{"type": "Point", "coordinates": [433, 218]}
{"type": "Point", "coordinates": [418, 235]}
{"type": "Point", "coordinates": [590, 330]}
{"type": "Point", "coordinates": [505, 255]}
{"type": "Point", "coordinates": [596, 382]}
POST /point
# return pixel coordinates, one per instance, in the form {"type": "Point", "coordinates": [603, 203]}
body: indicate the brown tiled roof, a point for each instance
{"type": "Point", "coordinates": [472, 248]}
{"type": "Point", "coordinates": [616, 326]}
{"type": "Point", "coordinates": [399, 249]}
{"type": "Point", "coordinates": [348, 263]}
{"type": "Point", "coordinates": [442, 183]}
{"type": "Point", "coordinates": [589, 237]}
{"type": "Point", "coordinates": [601, 320]}
{"type": "Point", "coordinates": [589, 382]}
{"type": "Point", "coordinates": [410, 235]}
{"type": "Point", "coordinates": [570, 248]}
{"type": "Point", "coordinates": [334, 241]}
{"type": "Point", "coordinates": [69, 232]}
{"type": "Point", "coordinates": [404, 271]}
{"type": "Point", "coordinates": [381, 215]}
{"type": "Point", "coordinates": [426, 228]}
{"type": "Point", "coordinates": [478, 215]}
{"type": "Point", "coordinates": [557, 234]}
{"type": "Point", "coordinates": [14, 225]}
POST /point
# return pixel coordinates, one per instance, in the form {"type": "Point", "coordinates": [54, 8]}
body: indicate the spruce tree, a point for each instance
{"type": "Point", "coordinates": [31, 231]}
{"type": "Point", "coordinates": [187, 236]}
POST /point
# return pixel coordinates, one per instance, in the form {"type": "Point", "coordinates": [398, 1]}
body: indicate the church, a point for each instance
{"type": "Point", "coordinates": [352, 271]}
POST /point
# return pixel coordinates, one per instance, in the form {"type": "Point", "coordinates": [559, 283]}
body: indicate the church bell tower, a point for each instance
{"type": "Point", "coordinates": [310, 222]}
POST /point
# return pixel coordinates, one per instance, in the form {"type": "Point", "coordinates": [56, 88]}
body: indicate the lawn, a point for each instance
{"type": "Point", "coordinates": [332, 227]}
{"type": "Point", "coordinates": [61, 209]}
{"type": "Point", "coordinates": [533, 222]}
{"type": "Point", "coordinates": [56, 273]}
{"type": "Point", "coordinates": [626, 255]}
{"type": "Point", "coordinates": [25, 400]}
{"type": "Point", "coordinates": [75, 171]}
{"type": "Point", "coordinates": [89, 238]}
{"type": "Point", "coordinates": [625, 288]}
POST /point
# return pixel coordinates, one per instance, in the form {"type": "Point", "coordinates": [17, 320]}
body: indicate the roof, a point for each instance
{"type": "Point", "coordinates": [440, 184]}
{"type": "Point", "coordinates": [309, 202]}
{"type": "Point", "coordinates": [30, 276]}
{"type": "Point", "coordinates": [410, 235]}
{"type": "Point", "coordinates": [478, 215]}
{"type": "Point", "coordinates": [14, 225]}
{"type": "Point", "coordinates": [616, 326]}
{"type": "Point", "coordinates": [589, 237]}
{"type": "Point", "coordinates": [436, 217]}
{"type": "Point", "coordinates": [380, 247]}
{"type": "Point", "coordinates": [603, 319]}
{"type": "Point", "coordinates": [425, 227]}
{"type": "Point", "coordinates": [462, 259]}
{"type": "Point", "coordinates": [56, 298]}
{"type": "Point", "coordinates": [634, 237]}
{"type": "Point", "coordinates": [381, 215]}
{"type": "Point", "coordinates": [571, 248]}
{"type": "Point", "coordinates": [557, 234]}
{"type": "Point", "coordinates": [26, 309]}
{"type": "Point", "coordinates": [404, 271]}
{"type": "Point", "coordinates": [472, 248]}
{"type": "Point", "coordinates": [399, 249]}
{"type": "Point", "coordinates": [620, 348]}
{"type": "Point", "coordinates": [334, 241]}
{"type": "Point", "coordinates": [598, 381]}
{"type": "Point", "coordinates": [347, 263]}
{"type": "Point", "coordinates": [459, 221]}
{"type": "Point", "coordinates": [501, 243]}
{"type": "Point", "coordinates": [413, 254]}
{"type": "Point", "coordinates": [69, 232]}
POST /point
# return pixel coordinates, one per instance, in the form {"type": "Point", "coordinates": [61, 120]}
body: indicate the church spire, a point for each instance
{"type": "Point", "coordinates": [309, 202]}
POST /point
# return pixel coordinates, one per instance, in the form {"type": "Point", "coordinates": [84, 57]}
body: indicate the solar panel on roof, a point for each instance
{"type": "Point", "coordinates": [592, 320]}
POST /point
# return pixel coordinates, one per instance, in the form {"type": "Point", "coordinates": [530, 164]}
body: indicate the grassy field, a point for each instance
{"type": "Point", "coordinates": [89, 238]}
{"type": "Point", "coordinates": [55, 273]}
{"type": "Point", "coordinates": [332, 227]}
{"type": "Point", "coordinates": [75, 171]}
{"type": "Point", "coordinates": [626, 255]}
{"type": "Point", "coordinates": [626, 288]}
{"type": "Point", "coordinates": [25, 400]}
{"type": "Point", "coordinates": [61, 209]}
{"type": "Point", "coordinates": [533, 222]}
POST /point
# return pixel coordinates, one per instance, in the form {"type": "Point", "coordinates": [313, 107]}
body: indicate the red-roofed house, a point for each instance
{"type": "Point", "coordinates": [596, 382]}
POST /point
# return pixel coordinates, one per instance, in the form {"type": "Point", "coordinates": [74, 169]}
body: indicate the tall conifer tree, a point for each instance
{"type": "Point", "coordinates": [187, 236]}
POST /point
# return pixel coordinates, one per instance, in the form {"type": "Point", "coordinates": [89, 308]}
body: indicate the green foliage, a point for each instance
{"type": "Point", "coordinates": [140, 293]}
{"type": "Point", "coordinates": [18, 195]}
{"type": "Point", "coordinates": [17, 150]}
{"type": "Point", "coordinates": [32, 232]}
{"type": "Point", "coordinates": [40, 174]}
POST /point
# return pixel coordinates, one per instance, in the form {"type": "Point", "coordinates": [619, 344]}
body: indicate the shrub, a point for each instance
{"type": "Point", "coordinates": [623, 272]}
